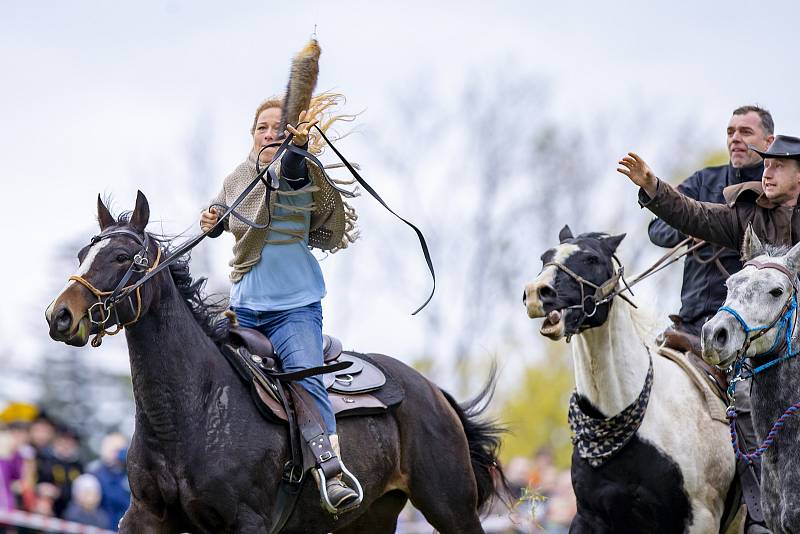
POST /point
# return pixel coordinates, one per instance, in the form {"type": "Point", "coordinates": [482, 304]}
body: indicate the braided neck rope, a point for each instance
{"type": "Point", "coordinates": [767, 443]}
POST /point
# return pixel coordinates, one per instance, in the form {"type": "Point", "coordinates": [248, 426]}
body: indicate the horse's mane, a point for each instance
{"type": "Point", "coordinates": [207, 310]}
{"type": "Point", "coordinates": [644, 321]}
{"type": "Point", "coordinates": [775, 250]}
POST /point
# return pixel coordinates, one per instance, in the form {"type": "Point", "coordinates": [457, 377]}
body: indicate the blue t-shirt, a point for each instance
{"type": "Point", "coordinates": [288, 275]}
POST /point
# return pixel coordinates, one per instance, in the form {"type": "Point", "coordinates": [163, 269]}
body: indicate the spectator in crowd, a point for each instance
{"type": "Point", "coordinates": [46, 495]}
{"type": "Point", "coordinates": [562, 505]}
{"type": "Point", "coordinates": [42, 434]}
{"type": "Point", "coordinates": [61, 466]}
{"type": "Point", "coordinates": [11, 462]}
{"type": "Point", "coordinates": [17, 467]}
{"type": "Point", "coordinates": [113, 476]}
{"type": "Point", "coordinates": [84, 507]}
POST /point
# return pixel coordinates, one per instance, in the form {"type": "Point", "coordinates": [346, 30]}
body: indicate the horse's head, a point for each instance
{"type": "Point", "coordinates": [759, 307]}
{"type": "Point", "coordinates": [95, 298]}
{"type": "Point", "coordinates": [576, 277]}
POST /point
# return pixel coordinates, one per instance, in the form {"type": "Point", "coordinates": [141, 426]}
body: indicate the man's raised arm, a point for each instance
{"type": "Point", "coordinates": [716, 223]}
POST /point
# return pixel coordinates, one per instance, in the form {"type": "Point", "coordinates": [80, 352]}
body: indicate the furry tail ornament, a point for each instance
{"type": "Point", "coordinates": [302, 81]}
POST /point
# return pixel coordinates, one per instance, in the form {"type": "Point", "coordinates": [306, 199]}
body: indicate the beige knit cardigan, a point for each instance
{"type": "Point", "coordinates": [333, 221]}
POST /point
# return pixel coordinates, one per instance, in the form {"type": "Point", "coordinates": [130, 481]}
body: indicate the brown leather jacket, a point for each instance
{"type": "Point", "coordinates": [725, 224]}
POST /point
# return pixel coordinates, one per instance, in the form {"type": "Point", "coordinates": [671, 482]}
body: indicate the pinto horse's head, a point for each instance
{"type": "Point", "coordinates": [565, 292]}
{"type": "Point", "coordinates": [120, 250]}
{"type": "Point", "coordinates": [759, 296]}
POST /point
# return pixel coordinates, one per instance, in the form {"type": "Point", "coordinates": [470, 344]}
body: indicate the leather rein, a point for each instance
{"type": "Point", "coordinates": [107, 301]}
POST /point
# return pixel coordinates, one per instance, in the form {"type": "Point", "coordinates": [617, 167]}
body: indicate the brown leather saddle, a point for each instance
{"type": "Point", "coordinates": [690, 345]}
{"type": "Point", "coordinates": [349, 386]}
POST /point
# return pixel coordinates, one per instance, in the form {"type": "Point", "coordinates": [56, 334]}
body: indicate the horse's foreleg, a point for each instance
{"type": "Point", "coordinates": [703, 520]}
{"type": "Point", "coordinates": [139, 519]}
{"type": "Point", "coordinates": [380, 518]}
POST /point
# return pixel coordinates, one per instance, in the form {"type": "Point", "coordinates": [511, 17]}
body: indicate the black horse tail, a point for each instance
{"type": "Point", "coordinates": [483, 436]}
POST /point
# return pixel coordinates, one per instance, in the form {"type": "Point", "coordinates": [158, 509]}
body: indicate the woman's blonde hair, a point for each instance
{"type": "Point", "coordinates": [328, 103]}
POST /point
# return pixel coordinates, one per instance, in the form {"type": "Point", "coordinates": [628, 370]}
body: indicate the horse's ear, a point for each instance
{"type": "Point", "coordinates": [141, 213]}
{"type": "Point", "coordinates": [793, 258]}
{"type": "Point", "coordinates": [565, 234]}
{"type": "Point", "coordinates": [751, 245]}
{"type": "Point", "coordinates": [104, 217]}
{"type": "Point", "coordinates": [612, 242]}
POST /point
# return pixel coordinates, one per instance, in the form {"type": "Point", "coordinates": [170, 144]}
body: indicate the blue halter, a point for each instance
{"type": "Point", "coordinates": [783, 322]}
{"type": "Point", "coordinates": [783, 325]}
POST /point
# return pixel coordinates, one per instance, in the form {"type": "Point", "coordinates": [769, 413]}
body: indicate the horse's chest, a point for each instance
{"type": "Point", "coordinates": [638, 490]}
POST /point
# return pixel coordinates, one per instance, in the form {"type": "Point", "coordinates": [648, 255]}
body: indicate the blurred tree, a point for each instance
{"type": "Point", "coordinates": [536, 410]}
{"type": "Point", "coordinates": [88, 399]}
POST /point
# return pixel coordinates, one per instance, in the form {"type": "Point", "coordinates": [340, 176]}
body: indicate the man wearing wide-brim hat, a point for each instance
{"type": "Point", "coordinates": [771, 207]}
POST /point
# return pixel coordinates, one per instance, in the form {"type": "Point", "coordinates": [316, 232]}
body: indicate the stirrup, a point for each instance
{"type": "Point", "coordinates": [323, 489]}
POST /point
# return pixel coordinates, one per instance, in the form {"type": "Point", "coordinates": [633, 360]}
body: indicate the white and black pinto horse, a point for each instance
{"type": "Point", "coordinates": [762, 299]}
{"type": "Point", "coordinates": [667, 466]}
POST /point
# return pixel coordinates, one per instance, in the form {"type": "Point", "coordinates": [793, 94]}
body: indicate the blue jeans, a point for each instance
{"type": "Point", "coordinates": [296, 335]}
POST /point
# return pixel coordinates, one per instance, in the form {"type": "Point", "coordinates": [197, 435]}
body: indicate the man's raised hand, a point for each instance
{"type": "Point", "coordinates": [635, 168]}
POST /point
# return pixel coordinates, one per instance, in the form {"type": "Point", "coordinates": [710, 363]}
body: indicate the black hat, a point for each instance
{"type": "Point", "coordinates": [784, 146]}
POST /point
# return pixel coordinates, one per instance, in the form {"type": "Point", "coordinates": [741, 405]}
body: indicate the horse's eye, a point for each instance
{"type": "Point", "coordinates": [122, 258]}
{"type": "Point", "coordinates": [777, 292]}
{"type": "Point", "coordinates": [593, 260]}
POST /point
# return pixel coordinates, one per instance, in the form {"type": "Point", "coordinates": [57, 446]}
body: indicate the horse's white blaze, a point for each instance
{"type": "Point", "coordinates": [610, 369]}
{"type": "Point", "coordinates": [546, 278]}
{"type": "Point", "coordinates": [86, 264]}
{"type": "Point", "coordinates": [83, 268]}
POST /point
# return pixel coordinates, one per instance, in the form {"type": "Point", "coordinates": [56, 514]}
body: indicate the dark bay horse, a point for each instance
{"type": "Point", "coordinates": [202, 458]}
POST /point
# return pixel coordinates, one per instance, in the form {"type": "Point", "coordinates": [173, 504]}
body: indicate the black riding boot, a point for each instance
{"type": "Point", "coordinates": [336, 496]}
{"type": "Point", "coordinates": [339, 495]}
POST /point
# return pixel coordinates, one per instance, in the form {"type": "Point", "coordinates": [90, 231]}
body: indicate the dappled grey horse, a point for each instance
{"type": "Point", "coordinates": [759, 320]}
{"type": "Point", "coordinates": [648, 456]}
{"type": "Point", "coordinates": [202, 458]}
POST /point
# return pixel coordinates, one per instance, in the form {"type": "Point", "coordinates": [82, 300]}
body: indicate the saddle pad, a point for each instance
{"type": "Point", "coordinates": [716, 407]}
{"type": "Point", "coordinates": [392, 391]}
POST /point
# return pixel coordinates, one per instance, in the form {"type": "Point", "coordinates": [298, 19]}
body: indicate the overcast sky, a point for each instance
{"type": "Point", "coordinates": [107, 97]}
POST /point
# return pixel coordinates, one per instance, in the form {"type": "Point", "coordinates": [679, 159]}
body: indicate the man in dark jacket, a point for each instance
{"type": "Point", "coordinates": [705, 271]}
{"type": "Point", "coordinates": [770, 207]}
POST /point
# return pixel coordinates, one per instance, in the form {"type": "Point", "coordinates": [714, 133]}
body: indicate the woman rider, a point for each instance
{"type": "Point", "coordinates": [277, 281]}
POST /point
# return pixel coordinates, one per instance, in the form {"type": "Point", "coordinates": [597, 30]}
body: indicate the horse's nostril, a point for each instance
{"type": "Point", "coordinates": [547, 293]}
{"type": "Point", "coordinates": [524, 297]}
{"type": "Point", "coordinates": [63, 320]}
{"type": "Point", "coordinates": [721, 337]}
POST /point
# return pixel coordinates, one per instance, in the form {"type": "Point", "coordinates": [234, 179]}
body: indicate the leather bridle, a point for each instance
{"type": "Point", "coordinates": [107, 305]}
{"type": "Point", "coordinates": [602, 294]}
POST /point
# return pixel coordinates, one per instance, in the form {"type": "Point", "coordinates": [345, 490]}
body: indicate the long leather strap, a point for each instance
{"type": "Point", "coordinates": [311, 371]}
{"type": "Point", "coordinates": [751, 486]}
{"type": "Point", "coordinates": [187, 246]}
{"type": "Point", "coordinates": [363, 183]}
